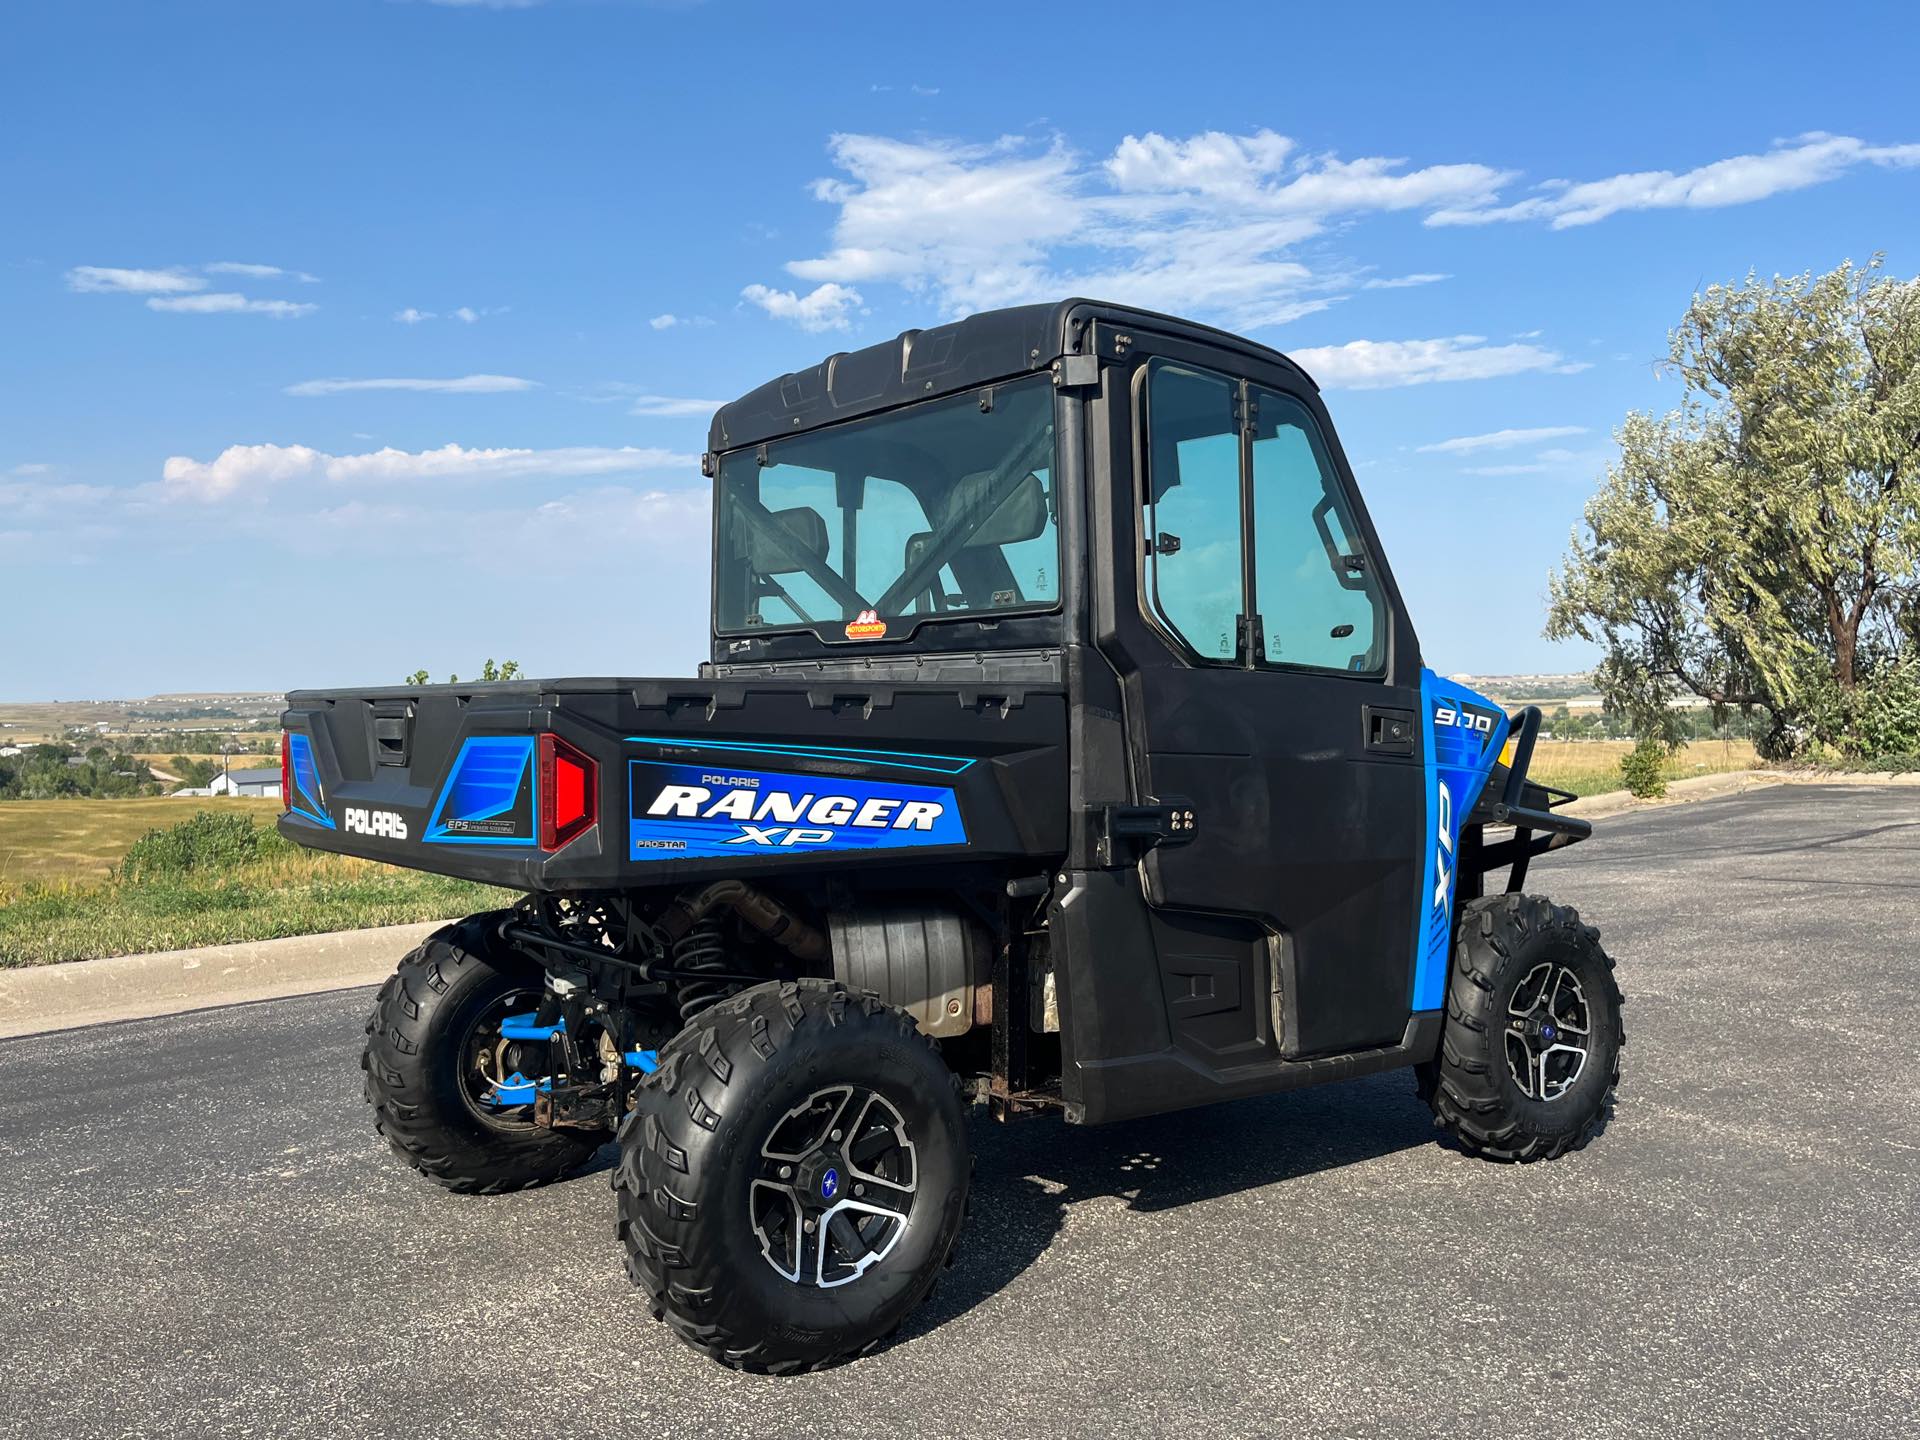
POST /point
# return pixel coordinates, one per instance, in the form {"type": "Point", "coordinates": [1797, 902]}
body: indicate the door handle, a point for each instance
{"type": "Point", "coordinates": [1389, 732]}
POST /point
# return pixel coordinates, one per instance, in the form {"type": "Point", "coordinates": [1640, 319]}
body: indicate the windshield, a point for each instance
{"type": "Point", "coordinates": [942, 509]}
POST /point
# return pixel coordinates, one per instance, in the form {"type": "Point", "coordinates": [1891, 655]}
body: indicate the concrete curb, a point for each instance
{"type": "Point", "coordinates": [37, 998]}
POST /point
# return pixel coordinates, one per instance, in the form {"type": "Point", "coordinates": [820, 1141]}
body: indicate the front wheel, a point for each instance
{"type": "Point", "coordinates": [793, 1177]}
{"type": "Point", "coordinates": [1530, 1049]}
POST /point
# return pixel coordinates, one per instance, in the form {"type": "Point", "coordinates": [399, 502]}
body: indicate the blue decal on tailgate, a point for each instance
{"type": "Point", "coordinates": [681, 811]}
{"type": "Point", "coordinates": [307, 801]}
{"type": "Point", "coordinates": [488, 795]}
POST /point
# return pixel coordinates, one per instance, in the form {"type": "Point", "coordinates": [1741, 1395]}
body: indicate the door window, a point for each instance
{"type": "Point", "coordinates": [1193, 530]}
{"type": "Point", "coordinates": [1319, 602]}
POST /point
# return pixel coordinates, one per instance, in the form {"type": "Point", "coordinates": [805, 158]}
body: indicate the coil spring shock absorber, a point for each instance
{"type": "Point", "coordinates": [701, 948]}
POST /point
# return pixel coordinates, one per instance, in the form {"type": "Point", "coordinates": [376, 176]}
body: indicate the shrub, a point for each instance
{"type": "Point", "coordinates": [208, 843]}
{"type": "Point", "coordinates": [1644, 769]}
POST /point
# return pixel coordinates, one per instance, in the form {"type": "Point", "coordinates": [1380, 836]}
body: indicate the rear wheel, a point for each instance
{"type": "Point", "coordinates": [793, 1178]}
{"type": "Point", "coordinates": [452, 1095]}
{"type": "Point", "coordinates": [1530, 1051]}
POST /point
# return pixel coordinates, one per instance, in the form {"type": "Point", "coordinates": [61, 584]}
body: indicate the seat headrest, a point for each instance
{"type": "Point", "coordinates": [1021, 516]}
{"type": "Point", "coordinates": [807, 526]}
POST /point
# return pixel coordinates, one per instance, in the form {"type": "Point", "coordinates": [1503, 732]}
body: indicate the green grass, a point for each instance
{"type": "Point", "coordinates": [213, 880]}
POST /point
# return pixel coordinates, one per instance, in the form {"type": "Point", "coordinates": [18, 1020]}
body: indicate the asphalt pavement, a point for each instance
{"type": "Point", "coordinates": [201, 1235]}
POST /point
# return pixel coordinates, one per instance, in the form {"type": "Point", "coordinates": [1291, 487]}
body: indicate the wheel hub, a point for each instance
{"type": "Point", "coordinates": [1548, 1026]}
{"type": "Point", "coordinates": [835, 1187]}
{"type": "Point", "coordinates": [819, 1178]}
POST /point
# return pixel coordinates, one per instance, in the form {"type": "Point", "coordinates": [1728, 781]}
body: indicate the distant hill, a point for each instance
{"type": "Point", "coordinates": [153, 715]}
{"type": "Point", "coordinates": [1576, 692]}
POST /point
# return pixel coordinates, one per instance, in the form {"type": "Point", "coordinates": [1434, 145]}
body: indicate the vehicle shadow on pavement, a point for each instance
{"type": "Point", "coordinates": [1029, 1172]}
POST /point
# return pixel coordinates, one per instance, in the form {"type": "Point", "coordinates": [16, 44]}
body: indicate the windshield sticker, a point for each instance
{"type": "Point", "coordinates": [677, 811]}
{"type": "Point", "coordinates": [866, 626]}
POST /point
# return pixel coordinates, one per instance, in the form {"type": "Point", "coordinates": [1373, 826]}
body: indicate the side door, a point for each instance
{"type": "Point", "coordinates": [1279, 695]}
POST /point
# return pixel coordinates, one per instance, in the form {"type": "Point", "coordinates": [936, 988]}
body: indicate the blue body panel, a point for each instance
{"type": "Point", "coordinates": [1461, 735]}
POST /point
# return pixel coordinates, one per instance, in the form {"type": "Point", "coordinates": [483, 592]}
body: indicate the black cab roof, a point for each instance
{"type": "Point", "coordinates": [920, 364]}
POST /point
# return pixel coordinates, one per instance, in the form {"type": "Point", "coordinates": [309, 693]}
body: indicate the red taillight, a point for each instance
{"type": "Point", "coordinates": [286, 771]}
{"type": "Point", "coordinates": [569, 796]}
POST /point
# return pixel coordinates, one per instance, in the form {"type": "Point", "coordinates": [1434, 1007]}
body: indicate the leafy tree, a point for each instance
{"type": "Point", "coordinates": [1759, 545]}
{"type": "Point", "coordinates": [1643, 769]}
{"type": "Point", "coordinates": [489, 672]}
{"type": "Point", "coordinates": [194, 773]}
{"type": "Point", "coordinates": [51, 772]}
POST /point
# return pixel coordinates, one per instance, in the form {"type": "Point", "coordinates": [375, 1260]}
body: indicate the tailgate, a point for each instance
{"type": "Point", "coordinates": [439, 778]}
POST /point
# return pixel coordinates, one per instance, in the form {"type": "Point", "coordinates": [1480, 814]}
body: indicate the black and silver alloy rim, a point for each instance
{"type": "Point", "coordinates": [835, 1188]}
{"type": "Point", "coordinates": [1548, 1026]}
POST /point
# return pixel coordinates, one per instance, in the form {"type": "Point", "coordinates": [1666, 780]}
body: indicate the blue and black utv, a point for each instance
{"type": "Point", "coordinates": [1065, 746]}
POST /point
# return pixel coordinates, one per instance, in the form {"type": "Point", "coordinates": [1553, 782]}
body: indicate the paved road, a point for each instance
{"type": "Point", "coordinates": [201, 1236]}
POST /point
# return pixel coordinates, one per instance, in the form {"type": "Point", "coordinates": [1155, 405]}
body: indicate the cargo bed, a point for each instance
{"type": "Point", "coordinates": [611, 783]}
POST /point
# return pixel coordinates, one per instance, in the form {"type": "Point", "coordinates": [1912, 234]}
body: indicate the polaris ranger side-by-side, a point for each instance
{"type": "Point", "coordinates": [1065, 745]}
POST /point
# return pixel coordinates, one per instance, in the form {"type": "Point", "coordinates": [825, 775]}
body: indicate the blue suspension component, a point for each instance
{"type": "Point", "coordinates": [527, 1027]}
{"type": "Point", "coordinates": [517, 1089]}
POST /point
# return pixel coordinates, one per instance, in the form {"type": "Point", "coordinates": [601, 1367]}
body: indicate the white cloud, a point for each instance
{"type": "Point", "coordinates": [1811, 159]}
{"type": "Point", "coordinates": [1405, 282]}
{"type": "Point", "coordinates": [825, 307]}
{"type": "Point", "coordinates": [1204, 224]}
{"type": "Point", "coordinates": [110, 280]}
{"type": "Point", "coordinates": [671, 321]}
{"type": "Point", "coordinates": [1212, 224]}
{"type": "Point", "coordinates": [662, 406]}
{"type": "Point", "coordinates": [32, 499]}
{"type": "Point", "coordinates": [246, 469]}
{"type": "Point", "coordinates": [259, 272]}
{"type": "Point", "coordinates": [1500, 440]}
{"type": "Point", "coordinates": [466, 314]}
{"type": "Point", "coordinates": [1376, 364]}
{"type": "Point", "coordinates": [226, 302]}
{"type": "Point", "coordinates": [461, 385]}
{"type": "Point", "coordinates": [33, 467]}
{"type": "Point", "coordinates": [1568, 464]}
{"type": "Point", "coordinates": [972, 221]}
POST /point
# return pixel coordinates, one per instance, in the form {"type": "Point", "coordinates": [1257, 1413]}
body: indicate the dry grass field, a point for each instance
{"type": "Point", "coordinates": [1592, 767]}
{"type": "Point", "coordinates": [82, 840]}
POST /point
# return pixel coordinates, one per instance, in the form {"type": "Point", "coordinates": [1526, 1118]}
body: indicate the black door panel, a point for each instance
{"type": "Point", "coordinates": [1300, 826]}
{"type": "Point", "coordinates": [1307, 783]}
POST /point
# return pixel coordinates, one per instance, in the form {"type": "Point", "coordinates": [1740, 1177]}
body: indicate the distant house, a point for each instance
{"type": "Point", "coordinates": [190, 791]}
{"type": "Point", "coordinates": [8, 751]}
{"type": "Point", "coordinates": [246, 782]}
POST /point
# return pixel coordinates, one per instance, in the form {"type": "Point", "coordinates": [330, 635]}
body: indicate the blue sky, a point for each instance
{"type": "Point", "coordinates": [344, 338]}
